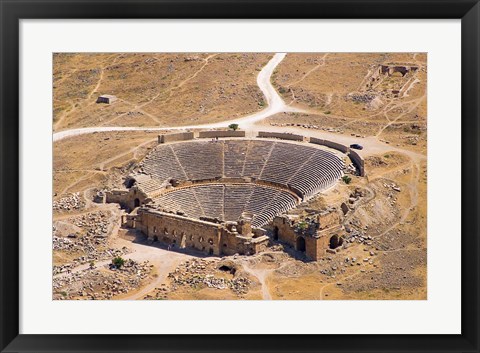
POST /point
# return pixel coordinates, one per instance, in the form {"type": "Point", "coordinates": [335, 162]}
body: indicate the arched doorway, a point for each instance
{"type": "Point", "coordinates": [301, 244]}
{"type": "Point", "coordinates": [275, 233]}
{"type": "Point", "coordinates": [335, 241]}
{"type": "Point", "coordinates": [136, 203]}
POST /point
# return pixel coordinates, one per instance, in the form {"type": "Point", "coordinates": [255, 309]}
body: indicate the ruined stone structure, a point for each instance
{"type": "Point", "coordinates": [107, 99]}
{"type": "Point", "coordinates": [312, 235]}
{"type": "Point", "coordinates": [215, 196]}
{"type": "Point", "coordinates": [399, 77]}
{"type": "Point", "coordinates": [354, 156]}
{"type": "Point", "coordinates": [391, 69]}
{"type": "Point", "coordinates": [203, 235]}
{"type": "Point", "coordinates": [175, 136]}
{"type": "Point", "coordinates": [221, 133]}
{"type": "Point", "coordinates": [279, 135]}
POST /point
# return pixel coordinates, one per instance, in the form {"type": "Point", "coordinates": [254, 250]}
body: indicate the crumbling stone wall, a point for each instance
{"type": "Point", "coordinates": [128, 198]}
{"type": "Point", "coordinates": [221, 133]}
{"type": "Point", "coordinates": [328, 219]}
{"type": "Point", "coordinates": [391, 69]}
{"type": "Point", "coordinates": [331, 144]}
{"type": "Point", "coordinates": [354, 156]}
{"type": "Point", "coordinates": [183, 232]}
{"type": "Point", "coordinates": [279, 135]}
{"type": "Point", "coordinates": [358, 161]}
{"type": "Point", "coordinates": [316, 242]}
{"type": "Point", "coordinates": [175, 136]}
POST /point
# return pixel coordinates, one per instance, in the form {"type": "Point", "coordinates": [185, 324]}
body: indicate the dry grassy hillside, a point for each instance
{"type": "Point", "coordinates": [339, 92]}
{"type": "Point", "coordinates": [90, 160]}
{"type": "Point", "coordinates": [154, 89]}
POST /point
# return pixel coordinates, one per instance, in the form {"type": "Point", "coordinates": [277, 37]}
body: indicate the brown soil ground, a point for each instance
{"type": "Point", "coordinates": [154, 89]}
{"type": "Point", "coordinates": [85, 160]}
{"type": "Point", "coordinates": [395, 220]}
{"type": "Point", "coordinates": [333, 88]}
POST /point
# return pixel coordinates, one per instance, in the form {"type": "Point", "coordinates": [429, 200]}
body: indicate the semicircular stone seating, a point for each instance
{"type": "Point", "coordinates": [304, 169]}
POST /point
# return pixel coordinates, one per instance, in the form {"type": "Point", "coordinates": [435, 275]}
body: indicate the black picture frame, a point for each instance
{"type": "Point", "coordinates": [12, 11]}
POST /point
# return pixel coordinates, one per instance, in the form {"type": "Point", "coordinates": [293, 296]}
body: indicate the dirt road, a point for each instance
{"type": "Point", "coordinates": [275, 104]}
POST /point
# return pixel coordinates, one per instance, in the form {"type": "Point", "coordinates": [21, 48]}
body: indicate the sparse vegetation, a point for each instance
{"type": "Point", "coordinates": [234, 127]}
{"type": "Point", "coordinates": [118, 262]}
{"type": "Point", "coordinates": [346, 179]}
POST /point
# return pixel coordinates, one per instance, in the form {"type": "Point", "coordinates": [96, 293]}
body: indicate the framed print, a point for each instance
{"type": "Point", "coordinates": [232, 176]}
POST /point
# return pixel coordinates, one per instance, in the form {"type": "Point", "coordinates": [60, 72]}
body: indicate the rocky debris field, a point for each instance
{"type": "Point", "coordinates": [101, 283]}
{"type": "Point", "coordinates": [200, 273]}
{"type": "Point", "coordinates": [396, 272]}
{"type": "Point", "coordinates": [96, 224]}
{"type": "Point", "coordinates": [88, 244]}
{"type": "Point", "coordinates": [71, 202]}
{"type": "Point", "coordinates": [160, 293]}
{"type": "Point", "coordinates": [312, 126]}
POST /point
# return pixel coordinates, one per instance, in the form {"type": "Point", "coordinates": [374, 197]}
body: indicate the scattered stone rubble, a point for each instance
{"type": "Point", "coordinates": [160, 293]}
{"type": "Point", "coordinates": [361, 98]}
{"type": "Point", "coordinates": [311, 126]}
{"type": "Point", "coordinates": [69, 203]}
{"type": "Point", "coordinates": [199, 272]}
{"type": "Point", "coordinates": [92, 241]}
{"type": "Point", "coordinates": [104, 283]}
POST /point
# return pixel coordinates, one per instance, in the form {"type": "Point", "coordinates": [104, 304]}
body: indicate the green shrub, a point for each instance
{"type": "Point", "coordinates": [303, 225]}
{"type": "Point", "coordinates": [118, 262]}
{"type": "Point", "coordinates": [346, 179]}
{"type": "Point", "coordinates": [234, 127]}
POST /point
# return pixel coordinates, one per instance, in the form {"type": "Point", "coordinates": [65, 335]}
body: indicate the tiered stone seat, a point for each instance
{"type": "Point", "coordinates": [183, 199]}
{"type": "Point", "coordinates": [200, 160]}
{"type": "Point", "coordinates": [228, 202]}
{"type": "Point", "coordinates": [285, 160]}
{"type": "Point", "coordinates": [162, 163]}
{"type": "Point", "coordinates": [256, 157]}
{"type": "Point", "coordinates": [320, 172]}
{"type": "Point", "coordinates": [235, 153]}
{"type": "Point", "coordinates": [304, 168]}
{"type": "Point", "coordinates": [147, 184]}
{"type": "Point", "coordinates": [210, 198]}
{"type": "Point", "coordinates": [265, 203]}
{"type": "Point", "coordinates": [236, 197]}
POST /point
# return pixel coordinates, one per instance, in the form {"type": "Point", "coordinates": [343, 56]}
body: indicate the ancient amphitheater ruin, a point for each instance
{"type": "Point", "coordinates": [220, 196]}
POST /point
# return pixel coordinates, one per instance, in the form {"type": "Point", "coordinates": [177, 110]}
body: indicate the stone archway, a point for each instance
{"type": "Point", "coordinates": [335, 241]}
{"type": "Point", "coordinates": [301, 244]}
{"type": "Point", "coordinates": [183, 240]}
{"type": "Point", "coordinates": [275, 233]}
{"type": "Point", "coordinates": [136, 203]}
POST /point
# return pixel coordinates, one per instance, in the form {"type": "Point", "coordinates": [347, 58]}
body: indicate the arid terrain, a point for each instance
{"type": "Point", "coordinates": [341, 97]}
{"type": "Point", "coordinates": [154, 89]}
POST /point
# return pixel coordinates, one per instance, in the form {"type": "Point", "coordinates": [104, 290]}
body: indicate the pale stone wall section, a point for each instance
{"type": "Point", "coordinates": [282, 136]}
{"type": "Point", "coordinates": [175, 136]}
{"type": "Point", "coordinates": [221, 133]}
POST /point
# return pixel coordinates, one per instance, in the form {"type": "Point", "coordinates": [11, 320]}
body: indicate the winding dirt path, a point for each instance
{"type": "Point", "coordinates": [89, 97]}
{"type": "Point", "coordinates": [275, 104]}
{"type": "Point", "coordinates": [261, 275]}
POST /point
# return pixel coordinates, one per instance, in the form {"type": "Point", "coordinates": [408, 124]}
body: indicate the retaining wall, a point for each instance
{"type": "Point", "coordinates": [354, 156]}
{"type": "Point", "coordinates": [221, 133]}
{"type": "Point", "coordinates": [280, 135]}
{"type": "Point", "coordinates": [175, 136]}
{"type": "Point", "coordinates": [358, 161]}
{"type": "Point", "coordinates": [331, 144]}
